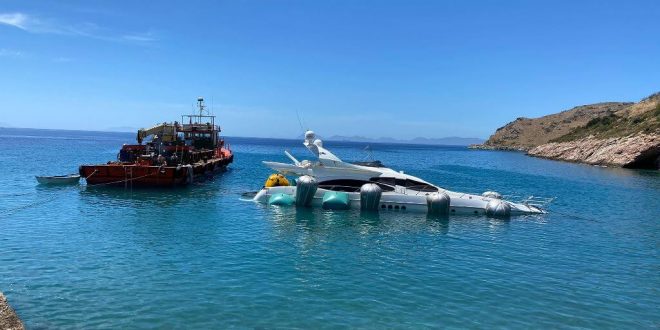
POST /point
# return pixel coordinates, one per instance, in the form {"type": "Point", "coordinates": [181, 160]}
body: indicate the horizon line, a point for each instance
{"type": "Point", "coordinates": [258, 137]}
{"type": "Point", "coordinates": [375, 140]}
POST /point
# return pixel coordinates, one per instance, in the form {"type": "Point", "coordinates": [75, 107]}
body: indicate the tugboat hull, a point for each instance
{"type": "Point", "coordinates": [135, 175]}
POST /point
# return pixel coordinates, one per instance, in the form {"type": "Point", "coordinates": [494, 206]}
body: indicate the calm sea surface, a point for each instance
{"type": "Point", "coordinates": [196, 257]}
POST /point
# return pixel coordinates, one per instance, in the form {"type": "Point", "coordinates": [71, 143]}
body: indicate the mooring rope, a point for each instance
{"type": "Point", "coordinates": [123, 181]}
{"type": "Point", "coordinates": [15, 194]}
{"type": "Point", "coordinates": [50, 199]}
{"type": "Point", "coordinates": [89, 176]}
{"type": "Point", "coordinates": [22, 207]}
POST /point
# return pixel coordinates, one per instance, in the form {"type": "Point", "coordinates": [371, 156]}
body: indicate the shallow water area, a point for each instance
{"type": "Point", "coordinates": [78, 257]}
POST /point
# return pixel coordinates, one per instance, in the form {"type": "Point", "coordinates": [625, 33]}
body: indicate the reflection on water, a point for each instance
{"type": "Point", "coordinates": [316, 223]}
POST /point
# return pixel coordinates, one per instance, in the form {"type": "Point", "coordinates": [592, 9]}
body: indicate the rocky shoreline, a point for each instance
{"type": "Point", "coordinates": [8, 318]}
{"type": "Point", "coordinates": [491, 147]}
{"type": "Point", "coordinates": [622, 134]}
{"type": "Point", "coordinates": [635, 151]}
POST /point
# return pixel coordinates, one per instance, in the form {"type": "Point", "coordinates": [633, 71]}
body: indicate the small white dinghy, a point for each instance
{"type": "Point", "coordinates": [59, 179]}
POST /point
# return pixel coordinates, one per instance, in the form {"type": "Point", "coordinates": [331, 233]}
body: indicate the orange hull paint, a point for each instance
{"type": "Point", "coordinates": [135, 175]}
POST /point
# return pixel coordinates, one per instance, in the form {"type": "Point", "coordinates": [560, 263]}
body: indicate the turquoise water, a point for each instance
{"type": "Point", "coordinates": [199, 257]}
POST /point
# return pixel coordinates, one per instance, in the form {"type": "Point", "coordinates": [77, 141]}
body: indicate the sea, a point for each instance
{"type": "Point", "coordinates": [77, 257]}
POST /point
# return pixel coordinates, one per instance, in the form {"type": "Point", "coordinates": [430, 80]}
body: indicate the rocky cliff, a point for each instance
{"type": "Point", "coordinates": [614, 133]}
{"type": "Point", "coordinates": [635, 151]}
{"type": "Point", "coordinates": [8, 318]}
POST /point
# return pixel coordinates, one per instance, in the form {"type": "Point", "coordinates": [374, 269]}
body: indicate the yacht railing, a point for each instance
{"type": "Point", "coordinates": [536, 201]}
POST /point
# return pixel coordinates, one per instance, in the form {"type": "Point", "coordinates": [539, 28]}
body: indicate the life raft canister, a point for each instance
{"type": "Point", "coordinates": [276, 180]}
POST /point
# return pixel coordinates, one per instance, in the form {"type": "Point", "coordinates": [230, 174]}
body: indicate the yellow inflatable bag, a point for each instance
{"type": "Point", "coordinates": [276, 180]}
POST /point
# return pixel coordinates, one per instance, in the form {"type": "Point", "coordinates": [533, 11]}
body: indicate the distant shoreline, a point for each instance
{"type": "Point", "coordinates": [418, 141]}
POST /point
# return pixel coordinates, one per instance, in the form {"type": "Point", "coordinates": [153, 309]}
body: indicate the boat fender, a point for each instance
{"type": "Point", "coordinates": [306, 187]}
{"type": "Point", "coordinates": [281, 200]}
{"type": "Point", "coordinates": [438, 204]}
{"type": "Point", "coordinates": [498, 209]}
{"type": "Point", "coordinates": [370, 194]}
{"type": "Point", "coordinates": [335, 200]}
{"type": "Point", "coordinates": [492, 194]}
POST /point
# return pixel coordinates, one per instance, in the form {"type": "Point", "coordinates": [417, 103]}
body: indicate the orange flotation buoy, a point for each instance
{"type": "Point", "coordinates": [276, 180]}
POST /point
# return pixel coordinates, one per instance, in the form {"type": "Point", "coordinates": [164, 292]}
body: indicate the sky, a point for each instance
{"type": "Point", "coordinates": [399, 69]}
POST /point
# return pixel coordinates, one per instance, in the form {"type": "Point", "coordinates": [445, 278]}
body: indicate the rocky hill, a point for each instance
{"type": "Point", "coordinates": [614, 133]}
{"type": "Point", "coordinates": [526, 133]}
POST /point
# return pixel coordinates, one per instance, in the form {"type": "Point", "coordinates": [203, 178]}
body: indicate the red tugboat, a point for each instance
{"type": "Point", "coordinates": [178, 154]}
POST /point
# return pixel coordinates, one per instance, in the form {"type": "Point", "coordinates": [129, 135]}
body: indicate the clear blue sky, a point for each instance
{"type": "Point", "coordinates": [371, 68]}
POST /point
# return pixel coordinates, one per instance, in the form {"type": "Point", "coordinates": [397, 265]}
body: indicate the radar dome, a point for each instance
{"type": "Point", "coordinates": [318, 143]}
{"type": "Point", "coordinates": [309, 135]}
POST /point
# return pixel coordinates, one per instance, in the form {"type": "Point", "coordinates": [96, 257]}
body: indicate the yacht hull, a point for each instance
{"type": "Point", "coordinates": [406, 201]}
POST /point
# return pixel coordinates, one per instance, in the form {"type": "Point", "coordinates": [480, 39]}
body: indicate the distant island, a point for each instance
{"type": "Point", "coordinates": [625, 134]}
{"type": "Point", "coordinates": [446, 141]}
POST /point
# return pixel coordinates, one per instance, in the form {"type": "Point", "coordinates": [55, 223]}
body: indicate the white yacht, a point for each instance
{"type": "Point", "coordinates": [331, 183]}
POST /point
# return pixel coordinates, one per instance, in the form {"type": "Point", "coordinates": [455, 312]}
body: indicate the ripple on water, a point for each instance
{"type": "Point", "coordinates": [199, 257]}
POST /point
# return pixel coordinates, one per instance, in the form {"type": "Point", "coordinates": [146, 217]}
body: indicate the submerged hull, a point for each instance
{"type": "Point", "coordinates": [136, 175]}
{"type": "Point", "coordinates": [460, 204]}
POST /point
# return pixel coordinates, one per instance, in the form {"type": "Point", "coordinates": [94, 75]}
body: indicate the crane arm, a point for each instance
{"type": "Point", "coordinates": [167, 132]}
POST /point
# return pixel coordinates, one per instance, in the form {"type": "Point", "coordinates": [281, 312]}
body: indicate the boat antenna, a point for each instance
{"type": "Point", "coordinates": [369, 152]}
{"type": "Point", "coordinates": [302, 129]}
{"type": "Point", "coordinates": [200, 104]}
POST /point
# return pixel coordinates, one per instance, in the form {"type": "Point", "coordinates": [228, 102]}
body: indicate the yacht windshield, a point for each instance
{"type": "Point", "coordinates": [349, 185]}
{"type": "Point", "coordinates": [373, 163]}
{"type": "Point", "coordinates": [407, 183]}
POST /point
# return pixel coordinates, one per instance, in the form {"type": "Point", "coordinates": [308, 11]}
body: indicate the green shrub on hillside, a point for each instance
{"type": "Point", "coordinates": [615, 126]}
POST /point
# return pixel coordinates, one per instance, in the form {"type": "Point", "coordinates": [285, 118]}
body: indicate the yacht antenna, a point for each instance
{"type": "Point", "coordinates": [302, 129]}
{"type": "Point", "coordinates": [370, 153]}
